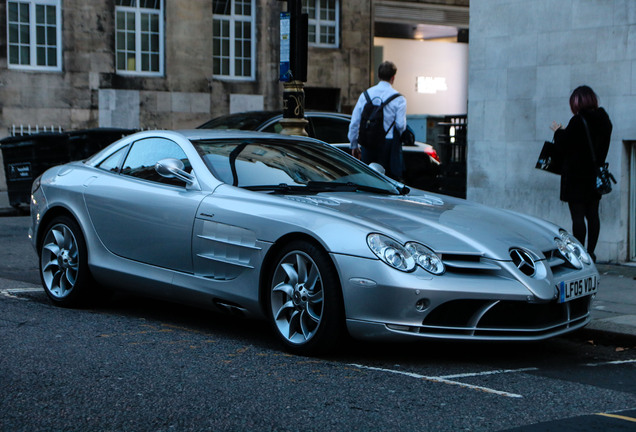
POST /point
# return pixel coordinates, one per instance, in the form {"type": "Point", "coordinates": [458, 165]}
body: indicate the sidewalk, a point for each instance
{"type": "Point", "coordinates": [614, 310]}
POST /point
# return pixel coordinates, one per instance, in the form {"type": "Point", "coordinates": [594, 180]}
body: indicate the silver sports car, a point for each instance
{"type": "Point", "coordinates": [291, 230]}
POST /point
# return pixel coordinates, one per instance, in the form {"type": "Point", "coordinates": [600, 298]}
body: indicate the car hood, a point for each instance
{"type": "Point", "coordinates": [445, 224]}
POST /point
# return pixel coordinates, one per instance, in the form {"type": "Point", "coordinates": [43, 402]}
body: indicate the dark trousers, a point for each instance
{"type": "Point", "coordinates": [389, 156]}
{"type": "Point", "coordinates": [582, 212]}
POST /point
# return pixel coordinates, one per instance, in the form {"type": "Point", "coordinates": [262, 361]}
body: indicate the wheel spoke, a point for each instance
{"type": "Point", "coordinates": [294, 324]}
{"type": "Point", "coordinates": [71, 276]}
{"type": "Point", "coordinates": [58, 237]}
{"type": "Point", "coordinates": [69, 241]}
{"type": "Point", "coordinates": [314, 276]}
{"type": "Point", "coordinates": [53, 248]}
{"type": "Point", "coordinates": [291, 273]}
{"type": "Point", "coordinates": [55, 288]}
{"type": "Point", "coordinates": [50, 266]}
{"type": "Point", "coordinates": [312, 314]}
{"type": "Point", "coordinates": [287, 289]}
{"type": "Point", "coordinates": [281, 312]}
{"type": "Point", "coordinates": [301, 266]}
{"type": "Point", "coordinates": [303, 324]}
{"type": "Point", "coordinates": [315, 298]}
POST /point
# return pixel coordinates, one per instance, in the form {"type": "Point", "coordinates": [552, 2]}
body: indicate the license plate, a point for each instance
{"type": "Point", "coordinates": [576, 288]}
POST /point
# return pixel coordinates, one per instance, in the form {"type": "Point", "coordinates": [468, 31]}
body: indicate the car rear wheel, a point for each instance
{"type": "Point", "coordinates": [64, 264]}
{"type": "Point", "coordinates": [305, 301]}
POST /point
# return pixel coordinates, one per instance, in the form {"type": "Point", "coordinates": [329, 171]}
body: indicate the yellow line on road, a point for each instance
{"type": "Point", "coordinates": [616, 416]}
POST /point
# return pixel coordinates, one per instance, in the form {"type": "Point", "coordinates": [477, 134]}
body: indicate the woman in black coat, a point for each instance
{"type": "Point", "coordinates": [578, 175]}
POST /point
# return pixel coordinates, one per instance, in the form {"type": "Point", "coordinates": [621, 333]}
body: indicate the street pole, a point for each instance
{"type": "Point", "coordinates": [293, 67]}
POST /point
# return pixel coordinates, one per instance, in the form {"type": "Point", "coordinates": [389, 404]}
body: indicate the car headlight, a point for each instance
{"type": "Point", "coordinates": [572, 250]}
{"type": "Point", "coordinates": [425, 258]}
{"type": "Point", "coordinates": [391, 252]}
{"type": "Point", "coordinates": [34, 188]}
{"type": "Point", "coordinates": [36, 184]}
{"type": "Point", "coordinates": [405, 258]}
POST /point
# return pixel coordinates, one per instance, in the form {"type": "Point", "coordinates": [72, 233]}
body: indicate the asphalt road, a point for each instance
{"type": "Point", "coordinates": [143, 365]}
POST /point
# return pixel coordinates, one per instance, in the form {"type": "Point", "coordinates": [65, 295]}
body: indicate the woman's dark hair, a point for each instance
{"type": "Point", "coordinates": [583, 98]}
{"type": "Point", "coordinates": [386, 70]}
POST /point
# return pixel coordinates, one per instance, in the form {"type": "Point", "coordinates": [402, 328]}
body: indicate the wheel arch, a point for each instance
{"type": "Point", "coordinates": [268, 263]}
{"type": "Point", "coordinates": [50, 215]}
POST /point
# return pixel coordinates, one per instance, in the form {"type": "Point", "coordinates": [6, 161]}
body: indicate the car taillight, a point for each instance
{"type": "Point", "coordinates": [432, 153]}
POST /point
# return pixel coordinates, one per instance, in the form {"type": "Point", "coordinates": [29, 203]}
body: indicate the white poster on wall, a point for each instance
{"type": "Point", "coordinates": [433, 76]}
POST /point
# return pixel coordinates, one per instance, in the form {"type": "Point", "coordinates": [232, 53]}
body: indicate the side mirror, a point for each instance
{"type": "Point", "coordinates": [173, 168]}
{"type": "Point", "coordinates": [377, 167]}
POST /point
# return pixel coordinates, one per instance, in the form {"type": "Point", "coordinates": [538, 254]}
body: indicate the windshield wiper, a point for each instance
{"type": "Point", "coordinates": [282, 188]}
{"type": "Point", "coordinates": [346, 187]}
{"type": "Point", "coordinates": [319, 186]}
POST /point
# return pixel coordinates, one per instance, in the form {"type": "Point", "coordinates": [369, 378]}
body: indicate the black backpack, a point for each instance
{"type": "Point", "coordinates": [372, 133]}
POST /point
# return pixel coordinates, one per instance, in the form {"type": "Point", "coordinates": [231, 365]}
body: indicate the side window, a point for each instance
{"type": "Point", "coordinates": [274, 127]}
{"type": "Point", "coordinates": [331, 130]}
{"type": "Point", "coordinates": [145, 153]}
{"type": "Point", "coordinates": [111, 163]}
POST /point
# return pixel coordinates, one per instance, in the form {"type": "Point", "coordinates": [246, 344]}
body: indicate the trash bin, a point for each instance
{"type": "Point", "coordinates": [26, 157]}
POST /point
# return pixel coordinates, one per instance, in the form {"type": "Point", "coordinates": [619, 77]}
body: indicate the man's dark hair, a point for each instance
{"type": "Point", "coordinates": [386, 70]}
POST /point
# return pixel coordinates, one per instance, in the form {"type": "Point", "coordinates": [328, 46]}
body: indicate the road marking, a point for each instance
{"type": "Point", "coordinates": [493, 372]}
{"type": "Point", "coordinates": [616, 416]}
{"type": "Point", "coordinates": [10, 292]}
{"type": "Point", "coordinates": [615, 362]}
{"type": "Point", "coordinates": [441, 380]}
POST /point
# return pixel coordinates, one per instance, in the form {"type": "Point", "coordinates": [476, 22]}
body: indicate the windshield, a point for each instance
{"type": "Point", "coordinates": [289, 167]}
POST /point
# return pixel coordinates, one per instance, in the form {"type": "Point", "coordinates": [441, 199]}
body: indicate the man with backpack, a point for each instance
{"type": "Point", "coordinates": [377, 122]}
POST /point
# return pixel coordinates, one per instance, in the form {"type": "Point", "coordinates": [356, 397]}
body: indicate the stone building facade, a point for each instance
{"type": "Point", "coordinates": [68, 63]}
{"type": "Point", "coordinates": [525, 60]}
{"type": "Point", "coordinates": [88, 89]}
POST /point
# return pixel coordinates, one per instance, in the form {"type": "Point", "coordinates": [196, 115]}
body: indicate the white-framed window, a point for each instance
{"type": "Point", "coordinates": [139, 37]}
{"type": "Point", "coordinates": [234, 39]}
{"type": "Point", "coordinates": [34, 34]}
{"type": "Point", "coordinates": [324, 22]}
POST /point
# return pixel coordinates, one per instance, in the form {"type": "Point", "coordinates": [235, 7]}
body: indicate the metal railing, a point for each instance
{"type": "Point", "coordinates": [23, 130]}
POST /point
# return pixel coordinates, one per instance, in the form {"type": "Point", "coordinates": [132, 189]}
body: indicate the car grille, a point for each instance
{"type": "Point", "coordinates": [504, 319]}
{"type": "Point", "coordinates": [557, 262]}
{"type": "Point", "coordinates": [476, 264]}
{"type": "Point", "coordinates": [458, 263]}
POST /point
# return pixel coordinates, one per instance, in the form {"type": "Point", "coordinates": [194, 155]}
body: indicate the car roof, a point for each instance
{"type": "Point", "coordinates": [202, 134]}
{"type": "Point", "coordinates": [252, 120]}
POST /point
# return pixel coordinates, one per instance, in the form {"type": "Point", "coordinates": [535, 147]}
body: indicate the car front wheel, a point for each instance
{"type": "Point", "coordinates": [305, 302]}
{"type": "Point", "coordinates": [64, 264]}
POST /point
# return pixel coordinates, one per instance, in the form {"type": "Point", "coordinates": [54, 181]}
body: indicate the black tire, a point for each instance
{"type": "Point", "coordinates": [304, 300]}
{"type": "Point", "coordinates": [64, 264]}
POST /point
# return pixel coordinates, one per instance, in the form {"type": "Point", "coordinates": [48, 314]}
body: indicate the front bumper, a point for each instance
{"type": "Point", "coordinates": [383, 303]}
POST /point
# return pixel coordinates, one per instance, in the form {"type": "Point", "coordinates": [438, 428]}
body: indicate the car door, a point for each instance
{"type": "Point", "coordinates": [140, 215]}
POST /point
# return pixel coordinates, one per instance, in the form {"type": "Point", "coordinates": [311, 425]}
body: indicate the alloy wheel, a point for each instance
{"type": "Point", "coordinates": [297, 297]}
{"type": "Point", "coordinates": [59, 262]}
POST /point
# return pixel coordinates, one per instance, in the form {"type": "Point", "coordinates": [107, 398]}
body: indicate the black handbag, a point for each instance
{"type": "Point", "coordinates": [604, 177]}
{"type": "Point", "coordinates": [550, 158]}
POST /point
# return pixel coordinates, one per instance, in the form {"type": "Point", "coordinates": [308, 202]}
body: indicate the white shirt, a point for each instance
{"type": "Point", "coordinates": [394, 110]}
